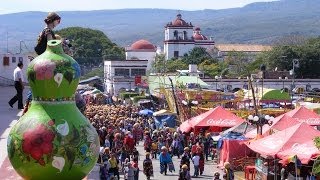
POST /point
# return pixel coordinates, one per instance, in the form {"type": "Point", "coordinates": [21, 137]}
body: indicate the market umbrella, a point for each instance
{"type": "Point", "coordinates": [303, 114]}
{"type": "Point", "coordinates": [295, 140]}
{"type": "Point", "coordinates": [218, 117]}
{"type": "Point", "coordinates": [146, 112]}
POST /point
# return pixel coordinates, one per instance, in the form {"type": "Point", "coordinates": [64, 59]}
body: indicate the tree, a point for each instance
{"type": "Point", "coordinates": [197, 55]}
{"type": "Point", "coordinates": [308, 55]}
{"type": "Point", "coordinates": [174, 65]}
{"type": "Point", "coordinates": [91, 45]}
{"type": "Point", "coordinates": [159, 64]}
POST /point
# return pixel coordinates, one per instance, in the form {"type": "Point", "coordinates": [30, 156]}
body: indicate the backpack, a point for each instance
{"type": "Point", "coordinates": [42, 40]}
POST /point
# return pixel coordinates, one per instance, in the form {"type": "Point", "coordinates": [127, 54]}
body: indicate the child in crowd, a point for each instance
{"type": "Point", "coordinates": [195, 160]}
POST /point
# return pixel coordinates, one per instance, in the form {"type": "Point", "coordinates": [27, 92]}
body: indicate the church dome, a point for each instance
{"type": "Point", "coordinates": [199, 37]}
{"type": "Point", "coordinates": [142, 44]}
{"type": "Point", "coordinates": [179, 21]}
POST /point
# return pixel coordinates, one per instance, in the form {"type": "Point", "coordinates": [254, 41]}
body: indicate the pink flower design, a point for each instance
{"type": "Point", "coordinates": [44, 70]}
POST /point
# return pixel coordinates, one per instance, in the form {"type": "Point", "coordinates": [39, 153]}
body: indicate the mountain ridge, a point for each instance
{"type": "Point", "coordinates": [258, 23]}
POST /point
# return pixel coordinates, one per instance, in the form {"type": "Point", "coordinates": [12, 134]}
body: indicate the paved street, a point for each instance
{"type": "Point", "coordinates": [209, 169]}
{"type": "Point", "coordinates": [10, 115]}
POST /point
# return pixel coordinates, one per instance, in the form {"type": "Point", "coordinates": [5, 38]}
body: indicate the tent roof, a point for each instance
{"type": "Point", "coordinates": [216, 117]}
{"type": "Point", "coordinates": [163, 112]}
{"type": "Point", "coordinates": [156, 82]}
{"type": "Point", "coordinates": [303, 114]}
{"type": "Point", "coordinates": [294, 139]}
{"type": "Point", "coordinates": [185, 126]}
{"type": "Point", "coordinates": [279, 123]}
{"type": "Point", "coordinates": [241, 128]}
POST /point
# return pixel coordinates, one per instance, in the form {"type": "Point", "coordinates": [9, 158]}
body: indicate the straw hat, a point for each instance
{"type": "Point", "coordinates": [163, 148]}
{"type": "Point", "coordinates": [184, 166]}
{"type": "Point", "coordinates": [186, 149]}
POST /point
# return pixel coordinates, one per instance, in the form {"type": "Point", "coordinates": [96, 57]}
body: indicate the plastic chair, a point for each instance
{"type": "Point", "coordinates": [250, 170]}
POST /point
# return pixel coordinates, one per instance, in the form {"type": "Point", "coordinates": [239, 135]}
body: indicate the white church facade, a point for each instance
{"type": "Point", "coordinates": [181, 37]}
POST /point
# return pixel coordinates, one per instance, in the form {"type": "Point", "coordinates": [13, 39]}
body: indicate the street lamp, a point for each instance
{"type": "Point", "coordinates": [260, 120]}
{"type": "Point", "coordinates": [295, 64]}
{"type": "Point", "coordinates": [189, 104]}
{"type": "Point", "coordinates": [217, 78]}
{"type": "Point", "coordinates": [283, 78]}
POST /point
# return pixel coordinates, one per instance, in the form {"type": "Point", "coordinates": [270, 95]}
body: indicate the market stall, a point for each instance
{"type": "Point", "coordinates": [295, 140]}
{"type": "Point", "coordinates": [303, 114]}
{"type": "Point", "coordinates": [217, 117]}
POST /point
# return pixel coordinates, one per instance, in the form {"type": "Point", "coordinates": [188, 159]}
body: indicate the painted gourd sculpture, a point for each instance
{"type": "Point", "coordinates": [53, 140]}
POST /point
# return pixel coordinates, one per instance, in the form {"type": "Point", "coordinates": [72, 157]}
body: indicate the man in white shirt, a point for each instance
{"type": "Point", "coordinates": [18, 84]}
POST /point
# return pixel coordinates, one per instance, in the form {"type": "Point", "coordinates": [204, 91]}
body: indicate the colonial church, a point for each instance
{"type": "Point", "coordinates": [181, 37]}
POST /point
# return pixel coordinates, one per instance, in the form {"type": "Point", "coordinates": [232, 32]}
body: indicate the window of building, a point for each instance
{"type": "Point", "coordinates": [185, 35]}
{"type": "Point", "coordinates": [176, 54]}
{"type": "Point", "coordinates": [6, 61]}
{"type": "Point", "coordinates": [13, 60]}
{"type": "Point", "coordinates": [121, 72]}
{"type": "Point", "coordinates": [138, 72]}
{"type": "Point", "coordinates": [175, 35]}
{"type": "Point", "coordinates": [20, 59]}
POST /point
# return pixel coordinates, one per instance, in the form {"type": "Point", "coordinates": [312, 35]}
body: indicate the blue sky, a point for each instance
{"type": "Point", "coordinates": [11, 6]}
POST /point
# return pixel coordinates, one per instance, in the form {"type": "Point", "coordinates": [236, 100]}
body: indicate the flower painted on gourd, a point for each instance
{"type": "Point", "coordinates": [58, 162]}
{"type": "Point", "coordinates": [83, 149]}
{"type": "Point", "coordinates": [58, 78]}
{"type": "Point", "coordinates": [51, 122]}
{"type": "Point", "coordinates": [63, 129]}
{"type": "Point", "coordinates": [76, 68]}
{"type": "Point", "coordinates": [94, 147]}
{"type": "Point", "coordinates": [38, 142]}
{"type": "Point", "coordinates": [44, 69]}
{"type": "Point", "coordinates": [91, 136]}
{"type": "Point", "coordinates": [86, 160]}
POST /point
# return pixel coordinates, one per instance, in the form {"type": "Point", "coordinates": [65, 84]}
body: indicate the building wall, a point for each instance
{"type": "Point", "coordinates": [115, 82]}
{"type": "Point", "coordinates": [169, 33]}
{"type": "Point", "coordinates": [7, 71]}
{"type": "Point", "coordinates": [268, 83]}
{"type": "Point", "coordinates": [150, 56]}
{"type": "Point", "coordinates": [182, 48]}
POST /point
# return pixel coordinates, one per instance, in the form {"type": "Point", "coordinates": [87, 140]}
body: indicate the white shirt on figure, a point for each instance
{"type": "Point", "coordinates": [17, 74]}
{"type": "Point", "coordinates": [196, 160]}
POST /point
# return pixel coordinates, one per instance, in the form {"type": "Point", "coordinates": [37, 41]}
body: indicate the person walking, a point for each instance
{"type": "Point", "coordinates": [165, 159]}
{"type": "Point", "coordinates": [18, 84]}
{"type": "Point", "coordinates": [195, 160]}
{"type": "Point", "coordinates": [147, 166]}
{"type": "Point", "coordinates": [184, 173]}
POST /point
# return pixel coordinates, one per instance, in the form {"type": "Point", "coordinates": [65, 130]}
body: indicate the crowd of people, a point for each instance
{"type": "Point", "coordinates": [121, 129]}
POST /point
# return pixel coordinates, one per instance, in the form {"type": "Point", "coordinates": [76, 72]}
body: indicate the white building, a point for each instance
{"type": "Point", "coordinates": [142, 50]}
{"type": "Point", "coordinates": [9, 63]}
{"type": "Point", "coordinates": [122, 74]}
{"type": "Point", "coordinates": [180, 38]}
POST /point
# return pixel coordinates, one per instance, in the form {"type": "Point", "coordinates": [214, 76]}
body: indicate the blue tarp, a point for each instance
{"type": "Point", "coordinates": [146, 112]}
{"type": "Point", "coordinates": [169, 119]}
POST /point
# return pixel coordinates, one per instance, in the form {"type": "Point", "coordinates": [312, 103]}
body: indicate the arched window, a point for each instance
{"type": "Point", "coordinates": [175, 35]}
{"type": "Point", "coordinates": [185, 35]}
